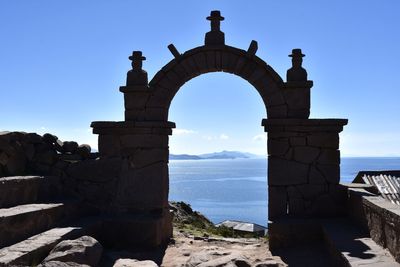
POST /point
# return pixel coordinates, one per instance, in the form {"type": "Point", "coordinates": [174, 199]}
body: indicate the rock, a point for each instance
{"type": "Point", "coordinates": [58, 145]}
{"type": "Point", "coordinates": [84, 151]}
{"type": "Point", "coordinates": [269, 263]}
{"type": "Point", "coordinates": [134, 263]}
{"type": "Point", "coordinates": [70, 146]}
{"type": "Point", "coordinates": [49, 138]}
{"type": "Point", "coordinates": [62, 264]}
{"type": "Point", "coordinates": [232, 260]}
{"type": "Point", "coordinates": [84, 250]}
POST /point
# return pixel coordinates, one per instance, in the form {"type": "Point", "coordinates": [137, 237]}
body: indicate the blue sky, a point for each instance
{"type": "Point", "coordinates": [61, 63]}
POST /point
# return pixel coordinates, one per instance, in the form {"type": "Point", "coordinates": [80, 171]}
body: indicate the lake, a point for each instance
{"type": "Point", "coordinates": [236, 189]}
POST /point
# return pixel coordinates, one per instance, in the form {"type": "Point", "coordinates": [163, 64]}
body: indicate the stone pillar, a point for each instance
{"type": "Point", "coordinates": [138, 211]}
{"type": "Point", "coordinates": [303, 167]}
{"type": "Point", "coordinates": [303, 178]}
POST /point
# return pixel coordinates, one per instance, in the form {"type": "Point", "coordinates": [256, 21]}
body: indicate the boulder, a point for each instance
{"type": "Point", "coordinates": [84, 151]}
{"type": "Point", "coordinates": [49, 138]}
{"type": "Point", "coordinates": [70, 146]}
{"type": "Point", "coordinates": [134, 263]}
{"type": "Point", "coordinates": [85, 251]}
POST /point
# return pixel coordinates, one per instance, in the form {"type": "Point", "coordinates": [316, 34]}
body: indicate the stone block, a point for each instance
{"type": "Point", "coordinates": [305, 154]}
{"type": "Point", "coordinates": [218, 60]}
{"type": "Point", "coordinates": [329, 140]}
{"type": "Point", "coordinates": [144, 141]}
{"type": "Point", "coordinates": [229, 61]}
{"type": "Point", "coordinates": [277, 201]}
{"type": "Point", "coordinates": [330, 172]}
{"type": "Point", "coordinates": [156, 114]}
{"type": "Point", "coordinates": [311, 191]}
{"type": "Point", "coordinates": [298, 141]}
{"type": "Point", "coordinates": [293, 192]}
{"type": "Point", "coordinates": [315, 176]}
{"type": "Point", "coordinates": [296, 206]}
{"type": "Point", "coordinates": [136, 99]}
{"type": "Point", "coordinates": [298, 98]}
{"type": "Point", "coordinates": [299, 113]}
{"type": "Point", "coordinates": [329, 156]}
{"type": "Point", "coordinates": [190, 67]}
{"type": "Point", "coordinates": [140, 158]}
{"type": "Point", "coordinates": [136, 230]}
{"type": "Point", "coordinates": [210, 57]}
{"type": "Point", "coordinates": [201, 62]}
{"type": "Point", "coordinates": [286, 172]}
{"type": "Point", "coordinates": [278, 147]}
{"type": "Point", "coordinates": [143, 189]}
{"type": "Point", "coordinates": [109, 145]}
{"type": "Point", "coordinates": [277, 111]}
{"type": "Point", "coordinates": [324, 206]}
{"type": "Point", "coordinates": [275, 99]}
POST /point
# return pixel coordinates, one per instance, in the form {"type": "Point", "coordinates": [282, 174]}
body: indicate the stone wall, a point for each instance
{"type": "Point", "coordinates": [378, 216]}
{"type": "Point", "coordinates": [304, 167]}
{"type": "Point", "coordinates": [31, 154]}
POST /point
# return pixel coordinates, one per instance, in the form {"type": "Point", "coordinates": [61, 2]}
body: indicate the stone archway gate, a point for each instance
{"type": "Point", "coordinates": [303, 155]}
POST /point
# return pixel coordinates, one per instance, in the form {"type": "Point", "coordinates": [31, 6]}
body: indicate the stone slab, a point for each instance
{"type": "Point", "coordinates": [34, 249]}
{"type": "Point", "coordinates": [20, 222]}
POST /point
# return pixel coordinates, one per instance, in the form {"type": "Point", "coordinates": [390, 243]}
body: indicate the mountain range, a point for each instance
{"type": "Point", "coordinates": [216, 155]}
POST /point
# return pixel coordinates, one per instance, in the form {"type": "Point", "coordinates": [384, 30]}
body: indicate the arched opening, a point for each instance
{"type": "Point", "coordinates": [213, 113]}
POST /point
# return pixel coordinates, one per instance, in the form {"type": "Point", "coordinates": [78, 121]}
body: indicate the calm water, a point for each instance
{"type": "Point", "coordinates": [237, 188]}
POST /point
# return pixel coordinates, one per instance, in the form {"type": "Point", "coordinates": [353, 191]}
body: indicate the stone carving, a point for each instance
{"type": "Point", "coordinates": [296, 73]}
{"type": "Point", "coordinates": [136, 76]}
{"type": "Point", "coordinates": [215, 36]}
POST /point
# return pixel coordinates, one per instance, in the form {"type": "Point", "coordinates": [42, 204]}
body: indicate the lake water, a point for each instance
{"type": "Point", "coordinates": [237, 188]}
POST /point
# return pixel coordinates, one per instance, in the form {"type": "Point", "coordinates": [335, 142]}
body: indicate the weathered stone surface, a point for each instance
{"type": "Point", "coordinates": [315, 176]}
{"type": "Point", "coordinates": [311, 191]}
{"type": "Point", "coordinates": [83, 250]}
{"type": "Point", "coordinates": [305, 154]}
{"type": "Point", "coordinates": [277, 147]}
{"type": "Point", "coordinates": [144, 188]}
{"type": "Point", "coordinates": [109, 145]}
{"type": "Point", "coordinates": [329, 156]}
{"type": "Point", "coordinates": [286, 172]}
{"type": "Point", "coordinates": [329, 140]}
{"type": "Point", "coordinates": [277, 201]}
{"type": "Point", "coordinates": [297, 141]}
{"type": "Point", "coordinates": [330, 172]}
{"type": "Point", "coordinates": [134, 263]}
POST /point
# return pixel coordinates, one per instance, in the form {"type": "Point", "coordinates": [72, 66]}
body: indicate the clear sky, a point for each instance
{"type": "Point", "coordinates": [61, 63]}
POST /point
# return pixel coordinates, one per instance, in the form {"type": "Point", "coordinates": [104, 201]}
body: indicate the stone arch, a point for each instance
{"type": "Point", "coordinates": [303, 154]}
{"type": "Point", "coordinates": [205, 59]}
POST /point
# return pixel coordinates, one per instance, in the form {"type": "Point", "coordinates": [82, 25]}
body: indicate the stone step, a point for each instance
{"type": "Point", "coordinates": [350, 246]}
{"type": "Point", "coordinates": [33, 250]}
{"type": "Point", "coordinates": [23, 221]}
{"type": "Point", "coordinates": [18, 190]}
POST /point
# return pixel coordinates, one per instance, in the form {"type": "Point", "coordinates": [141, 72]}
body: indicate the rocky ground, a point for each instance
{"type": "Point", "coordinates": [196, 242]}
{"type": "Point", "coordinates": [191, 250]}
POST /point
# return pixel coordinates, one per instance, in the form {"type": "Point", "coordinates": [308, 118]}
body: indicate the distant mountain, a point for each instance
{"type": "Point", "coordinates": [216, 155]}
{"type": "Point", "coordinates": [183, 156]}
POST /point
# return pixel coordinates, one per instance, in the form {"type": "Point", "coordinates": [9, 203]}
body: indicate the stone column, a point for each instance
{"type": "Point", "coordinates": [138, 210]}
{"type": "Point", "coordinates": [304, 167]}
{"type": "Point", "coordinates": [303, 178]}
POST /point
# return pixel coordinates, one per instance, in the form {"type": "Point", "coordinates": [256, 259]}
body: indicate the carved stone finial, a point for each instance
{"type": "Point", "coordinates": [136, 76]}
{"type": "Point", "coordinates": [296, 73]}
{"type": "Point", "coordinates": [215, 36]}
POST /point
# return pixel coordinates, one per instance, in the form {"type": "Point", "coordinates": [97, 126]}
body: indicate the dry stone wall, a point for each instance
{"type": "Point", "coordinates": [29, 153]}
